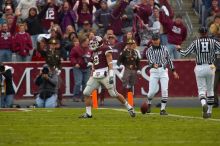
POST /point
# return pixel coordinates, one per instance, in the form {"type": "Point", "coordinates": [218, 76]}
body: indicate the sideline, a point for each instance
{"type": "Point", "coordinates": [170, 115]}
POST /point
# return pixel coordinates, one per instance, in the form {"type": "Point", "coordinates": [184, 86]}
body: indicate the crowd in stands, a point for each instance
{"type": "Point", "coordinates": [207, 9]}
{"type": "Point", "coordinates": [26, 26]}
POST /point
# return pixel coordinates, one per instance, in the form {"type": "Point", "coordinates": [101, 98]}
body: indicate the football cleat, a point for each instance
{"type": "Point", "coordinates": [131, 112]}
{"type": "Point", "coordinates": [163, 112]}
{"type": "Point", "coordinates": [205, 109]}
{"type": "Point", "coordinates": [149, 108]}
{"type": "Point", "coordinates": [85, 116]}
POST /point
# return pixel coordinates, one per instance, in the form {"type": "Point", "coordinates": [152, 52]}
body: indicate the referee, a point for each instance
{"type": "Point", "coordinates": [159, 58]}
{"type": "Point", "coordinates": [204, 48]}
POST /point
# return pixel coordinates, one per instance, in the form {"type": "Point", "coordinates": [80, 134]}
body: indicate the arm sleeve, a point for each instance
{"type": "Point", "coordinates": [189, 50]}
{"type": "Point", "coordinates": [53, 81]}
{"type": "Point", "coordinates": [217, 46]}
{"type": "Point", "coordinates": [170, 62]}
{"type": "Point", "coordinates": [150, 58]}
{"type": "Point", "coordinates": [38, 80]}
{"type": "Point", "coordinates": [120, 58]}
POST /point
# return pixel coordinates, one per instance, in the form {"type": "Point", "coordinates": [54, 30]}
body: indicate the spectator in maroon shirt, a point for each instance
{"type": "Point", "coordinates": [84, 12]}
{"type": "Point", "coordinates": [116, 18]}
{"type": "Point", "coordinates": [6, 34]}
{"type": "Point", "coordinates": [22, 44]}
{"type": "Point", "coordinates": [143, 10]}
{"type": "Point", "coordinates": [176, 33]}
{"type": "Point", "coordinates": [79, 57]}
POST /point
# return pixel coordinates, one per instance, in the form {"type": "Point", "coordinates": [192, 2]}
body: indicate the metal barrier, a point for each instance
{"type": "Point", "coordinates": [188, 23]}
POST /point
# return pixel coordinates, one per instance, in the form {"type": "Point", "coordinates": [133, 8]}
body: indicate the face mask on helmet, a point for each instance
{"type": "Point", "coordinates": [95, 43]}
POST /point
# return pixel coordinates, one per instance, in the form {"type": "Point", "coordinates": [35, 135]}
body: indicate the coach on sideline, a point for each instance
{"type": "Point", "coordinates": [204, 49]}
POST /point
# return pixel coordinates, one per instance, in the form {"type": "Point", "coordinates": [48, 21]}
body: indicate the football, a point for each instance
{"type": "Point", "coordinates": [144, 107]}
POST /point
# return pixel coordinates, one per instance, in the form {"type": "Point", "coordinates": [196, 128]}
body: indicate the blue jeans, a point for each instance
{"type": "Point", "coordinates": [164, 40]}
{"type": "Point", "coordinates": [34, 41]}
{"type": "Point", "coordinates": [174, 54]}
{"type": "Point", "coordinates": [81, 76]}
{"type": "Point", "coordinates": [34, 44]}
{"type": "Point", "coordinates": [6, 101]}
{"type": "Point", "coordinates": [20, 58]}
{"type": "Point", "coordinates": [50, 102]}
{"type": "Point", "coordinates": [5, 55]}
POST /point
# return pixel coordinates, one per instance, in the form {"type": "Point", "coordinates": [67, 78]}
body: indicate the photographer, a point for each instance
{"type": "Point", "coordinates": [6, 88]}
{"type": "Point", "coordinates": [47, 81]}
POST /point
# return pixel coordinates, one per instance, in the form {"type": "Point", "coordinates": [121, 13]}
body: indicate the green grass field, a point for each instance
{"type": "Point", "coordinates": [59, 127]}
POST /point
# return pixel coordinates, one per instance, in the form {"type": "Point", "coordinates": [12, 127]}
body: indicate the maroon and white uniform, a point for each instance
{"type": "Point", "coordinates": [99, 61]}
{"type": "Point", "coordinates": [101, 72]}
{"type": "Point", "coordinates": [99, 57]}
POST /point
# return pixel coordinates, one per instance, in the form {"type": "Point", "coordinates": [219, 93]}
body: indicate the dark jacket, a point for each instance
{"type": "Point", "coordinates": [130, 59]}
{"type": "Point", "coordinates": [50, 85]}
{"type": "Point", "coordinates": [8, 81]}
{"type": "Point", "coordinates": [34, 25]}
{"type": "Point", "coordinates": [53, 58]}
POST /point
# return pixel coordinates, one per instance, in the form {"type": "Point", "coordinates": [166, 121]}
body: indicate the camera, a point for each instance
{"type": "Point", "coordinates": [1, 14]}
{"type": "Point", "coordinates": [2, 68]}
{"type": "Point", "coordinates": [45, 70]}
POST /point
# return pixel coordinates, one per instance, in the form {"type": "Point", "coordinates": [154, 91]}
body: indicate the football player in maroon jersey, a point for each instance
{"type": "Point", "coordinates": [102, 75]}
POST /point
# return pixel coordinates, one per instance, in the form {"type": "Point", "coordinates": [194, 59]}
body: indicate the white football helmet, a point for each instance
{"type": "Point", "coordinates": [95, 43]}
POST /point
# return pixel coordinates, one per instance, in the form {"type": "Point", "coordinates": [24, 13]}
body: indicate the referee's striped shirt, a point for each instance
{"type": "Point", "coordinates": [159, 55]}
{"type": "Point", "coordinates": [204, 49]}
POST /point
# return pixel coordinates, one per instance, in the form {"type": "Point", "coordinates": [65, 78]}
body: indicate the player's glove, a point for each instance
{"type": "Point", "coordinates": [139, 72]}
{"type": "Point", "coordinates": [111, 75]}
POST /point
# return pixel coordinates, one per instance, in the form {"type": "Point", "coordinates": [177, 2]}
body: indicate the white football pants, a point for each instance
{"type": "Point", "coordinates": [156, 75]}
{"type": "Point", "coordinates": [205, 80]}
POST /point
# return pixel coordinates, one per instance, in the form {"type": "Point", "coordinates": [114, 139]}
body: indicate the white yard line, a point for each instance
{"type": "Point", "coordinates": [170, 115]}
{"type": "Point", "coordinates": [25, 110]}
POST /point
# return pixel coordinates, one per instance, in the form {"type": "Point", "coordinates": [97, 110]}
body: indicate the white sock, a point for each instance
{"type": "Point", "coordinates": [89, 110]}
{"type": "Point", "coordinates": [163, 106]}
{"type": "Point", "coordinates": [128, 106]}
{"type": "Point", "coordinates": [203, 102]}
{"type": "Point", "coordinates": [209, 109]}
